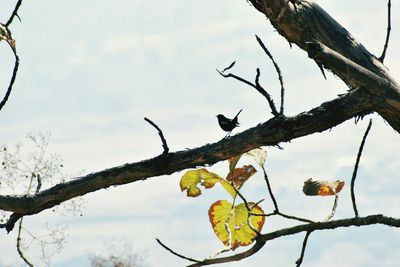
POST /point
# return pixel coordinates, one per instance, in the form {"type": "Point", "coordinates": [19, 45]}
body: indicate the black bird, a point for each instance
{"type": "Point", "coordinates": [227, 124]}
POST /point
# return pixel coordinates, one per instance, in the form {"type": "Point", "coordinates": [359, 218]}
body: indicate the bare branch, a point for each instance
{"type": "Point", "coordinates": [13, 77]}
{"type": "Point", "coordinates": [262, 239]}
{"type": "Point", "coordinates": [353, 178]}
{"type": "Point", "coordinates": [274, 131]}
{"type": "Point", "coordinates": [175, 253]}
{"type": "Point", "coordinates": [229, 67]}
{"type": "Point", "coordinates": [382, 57]}
{"type": "Point", "coordinates": [14, 14]}
{"type": "Point", "coordinates": [160, 133]}
{"type": "Point", "coordinates": [256, 86]}
{"type": "Point", "coordinates": [19, 249]}
{"type": "Point", "coordinates": [278, 70]}
{"type": "Point", "coordinates": [271, 194]}
{"type": "Point", "coordinates": [237, 257]}
{"type": "Point", "coordinates": [303, 249]}
{"type": "Point", "coordinates": [262, 91]}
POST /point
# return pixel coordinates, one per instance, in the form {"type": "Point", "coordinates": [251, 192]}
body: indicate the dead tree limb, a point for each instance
{"type": "Point", "coordinates": [309, 23]}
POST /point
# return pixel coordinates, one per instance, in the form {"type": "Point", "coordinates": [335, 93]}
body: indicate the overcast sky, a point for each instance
{"type": "Point", "coordinates": [91, 71]}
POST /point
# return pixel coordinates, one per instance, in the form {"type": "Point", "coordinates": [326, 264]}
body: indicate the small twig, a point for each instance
{"type": "Point", "coordinates": [21, 254]}
{"type": "Point", "coordinates": [278, 70]}
{"type": "Point", "coordinates": [14, 14]}
{"type": "Point", "coordinates": [39, 183]}
{"type": "Point", "coordinates": [256, 86]}
{"type": "Point", "coordinates": [160, 133]}
{"type": "Point", "coordinates": [262, 91]}
{"type": "Point", "coordinates": [271, 194]}
{"type": "Point", "coordinates": [13, 77]}
{"type": "Point", "coordinates": [284, 216]}
{"type": "Point", "coordinates": [175, 253]}
{"type": "Point", "coordinates": [330, 216]}
{"type": "Point", "coordinates": [229, 67]}
{"type": "Point", "coordinates": [389, 28]}
{"type": "Point", "coordinates": [353, 178]}
{"type": "Point", "coordinates": [294, 218]}
{"type": "Point", "coordinates": [303, 249]}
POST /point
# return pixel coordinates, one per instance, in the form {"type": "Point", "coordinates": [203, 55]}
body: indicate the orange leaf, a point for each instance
{"type": "Point", "coordinates": [322, 188]}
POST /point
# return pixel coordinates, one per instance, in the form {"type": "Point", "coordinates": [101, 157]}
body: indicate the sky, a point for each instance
{"type": "Point", "coordinates": [89, 74]}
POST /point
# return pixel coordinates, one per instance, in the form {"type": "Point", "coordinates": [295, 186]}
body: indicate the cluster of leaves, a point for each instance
{"type": "Point", "coordinates": [239, 224]}
{"type": "Point", "coordinates": [234, 224]}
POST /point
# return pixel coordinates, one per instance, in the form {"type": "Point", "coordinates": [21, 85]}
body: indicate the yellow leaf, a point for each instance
{"type": "Point", "coordinates": [191, 179]}
{"type": "Point", "coordinates": [322, 188]}
{"type": "Point", "coordinates": [240, 175]}
{"type": "Point", "coordinates": [228, 188]}
{"type": "Point", "coordinates": [231, 224]}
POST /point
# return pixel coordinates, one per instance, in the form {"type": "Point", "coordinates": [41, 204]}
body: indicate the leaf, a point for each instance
{"type": "Point", "coordinates": [259, 155]}
{"type": "Point", "coordinates": [231, 224]}
{"type": "Point", "coordinates": [6, 35]}
{"type": "Point", "coordinates": [191, 179]}
{"type": "Point", "coordinates": [240, 175]}
{"type": "Point", "coordinates": [233, 161]}
{"type": "Point", "coordinates": [322, 188]}
{"type": "Point", "coordinates": [228, 188]}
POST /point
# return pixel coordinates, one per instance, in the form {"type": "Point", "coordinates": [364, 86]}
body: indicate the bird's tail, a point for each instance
{"type": "Point", "coordinates": [238, 113]}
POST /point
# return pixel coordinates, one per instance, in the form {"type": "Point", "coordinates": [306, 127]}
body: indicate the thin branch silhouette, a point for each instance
{"type": "Point", "coordinates": [382, 57]}
{"type": "Point", "coordinates": [353, 178]}
{"type": "Point", "coordinates": [278, 70]}
{"type": "Point", "coordinates": [303, 249]}
{"type": "Point", "coordinates": [160, 133]}
{"type": "Point", "coordinates": [13, 77]}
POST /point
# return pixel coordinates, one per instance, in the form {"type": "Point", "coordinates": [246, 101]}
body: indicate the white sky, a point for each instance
{"type": "Point", "coordinates": [90, 73]}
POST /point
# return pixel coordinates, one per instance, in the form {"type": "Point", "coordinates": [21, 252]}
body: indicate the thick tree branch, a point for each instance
{"type": "Point", "coordinates": [308, 22]}
{"type": "Point", "coordinates": [274, 131]}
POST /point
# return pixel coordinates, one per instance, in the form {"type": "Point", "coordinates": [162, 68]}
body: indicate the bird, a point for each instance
{"type": "Point", "coordinates": [227, 124]}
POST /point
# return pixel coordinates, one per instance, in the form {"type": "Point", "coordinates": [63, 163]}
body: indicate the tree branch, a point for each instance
{"type": "Point", "coordinates": [353, 178]}
{"type": "Point", "coordinates": [160, 133]}
{"type": "Point", "coordinates": [262, 239]}
{"type": "Point", "coordinates": [382, 57]}
{"type": "Point", "coordinates": [308, 22]}
{"type": "Point", "coordinates": [303, 249]}
{"type": "Point", "coordinates": [274, 131]}
{"type": "Point", "coordinates": [13, 77]}
{"type": "Point", "coordinates": [278, 70]}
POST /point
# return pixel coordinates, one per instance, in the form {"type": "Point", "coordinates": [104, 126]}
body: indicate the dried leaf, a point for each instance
{"type": "Point", "coordinates": [6, 35]}
{"type": "Point", "coordinates": [259, 155]}
{"type": "Point", "coordinates": [322, 188]}
{"type": "Point", "coordinates": [231, 224]}
{"type": "Point", "coordinates": [240, 175]}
